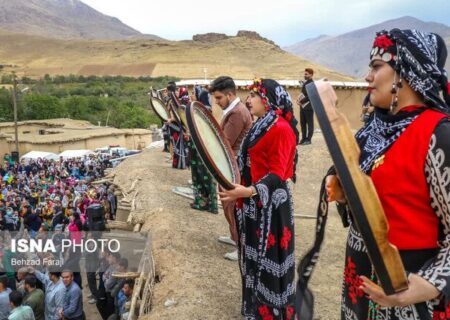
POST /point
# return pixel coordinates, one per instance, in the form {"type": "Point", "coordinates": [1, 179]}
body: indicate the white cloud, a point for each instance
{"type": "Point", "coordinates": [284, 21]}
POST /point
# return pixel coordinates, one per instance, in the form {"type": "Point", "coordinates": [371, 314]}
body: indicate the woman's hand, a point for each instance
{"type": "Point", "coordinates": [419, 290]}
{"type": "Point", "coordinates": [239, 191]}
{"type": "Point", "coordinates": [334, 189]}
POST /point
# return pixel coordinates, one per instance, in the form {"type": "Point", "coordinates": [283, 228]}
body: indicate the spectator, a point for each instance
{"type": "Point", "coordinates": [34, 298]}
{"type": "Point", "coordinates": [106, 306]}
{"type": "Point", "coordinates": [122, 293]}
{"type": "Point", "coordinates": [32, 221]}
{"type": "Point", "coordinates": [92, 264]}
{"type": "Point", "coordinates": [4, 298]}
{"type": "Point", "coordinates": [205, 97]}
{"type": "Point", "coordinates": [19, 311]}
{"type": "Point", "coordinates": [54, 293]}
{"type": "Point", "coordinates": [112, 199]}
{"type": "Point", "coordinates": [11, 220]}
{"type": "Point", "coordinates": [21, 274]}
{"type": "Point", "coordinates": [73, 299]}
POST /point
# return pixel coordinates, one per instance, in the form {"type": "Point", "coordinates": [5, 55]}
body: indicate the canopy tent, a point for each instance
{"type": "Point", "coordinates": [34, 155]}
{"type": "Point", "coordinates": [69, 154]}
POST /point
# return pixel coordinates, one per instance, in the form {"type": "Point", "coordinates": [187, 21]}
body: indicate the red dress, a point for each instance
{"type": "Point", "coordinates": [274, 153]}
{"type": "Point", "coordinates": [266, 223]}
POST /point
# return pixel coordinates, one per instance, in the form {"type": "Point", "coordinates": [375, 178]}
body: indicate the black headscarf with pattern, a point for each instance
{"type": "Point", "coordinates": [277, 99]}
{"type": "Point", "coordinates": [278, 103]}
{"type": "Point", "coordinates": [419, 58]}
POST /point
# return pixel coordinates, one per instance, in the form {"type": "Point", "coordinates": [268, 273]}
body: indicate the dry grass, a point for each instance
{"type": "Point", "coordinates": [239, 57]}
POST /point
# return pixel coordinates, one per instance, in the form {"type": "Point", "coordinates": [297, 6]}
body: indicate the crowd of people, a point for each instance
{"type": "Point", "coordinates": [404, 149]}
{"type": "Point", "coordinates": [53, 198]}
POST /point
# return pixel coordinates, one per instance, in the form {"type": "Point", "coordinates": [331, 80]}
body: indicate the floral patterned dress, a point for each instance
{"type": "Point", "coordinates": [205, 187]}
{"type": "Point", "coordinates": [266, 222]}
{"type": "Point", "coordinates": [431, 264]}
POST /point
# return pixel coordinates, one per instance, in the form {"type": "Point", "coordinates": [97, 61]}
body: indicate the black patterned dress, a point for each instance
{"type": "Point", "coordinates": [179, 145]}
{"type": "Point", "coordinates": [431, 264]}
{"type": "Point", "coordinates": [266, 222]}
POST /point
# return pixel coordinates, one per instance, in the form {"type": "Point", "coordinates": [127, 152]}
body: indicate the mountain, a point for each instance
{"type": "Point", "coordinates": [349, 53]}
{"type": "Point", "coordinates": [244, 56]}
{"type": "Point", "coordinates": [63, 19]}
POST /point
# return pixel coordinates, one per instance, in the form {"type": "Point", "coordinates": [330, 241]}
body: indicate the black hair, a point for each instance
{"type": "Point", "coordinates": [55, 273]}
{"type": "Point", "coordinates": [16, 298]}
{"type": "Point", "coordinates": [223, 84]}
{"type": "Point", "coordinates": [31, 280]}
{"type": "Point", "coordinates": [130, 283]}
{"type": "Point", "coordinates": [171, 86]}
{"type": "Point", "coordinates": [4, 281]}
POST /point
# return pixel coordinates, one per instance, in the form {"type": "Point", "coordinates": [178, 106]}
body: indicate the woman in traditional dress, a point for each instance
{"type": "Point", "coordinates": [204, 185]}
{"type": "Point", "coordinates": [264, 210]}
{"type": "Point", "coordinates": [405, 148]}
{"type": "Point", "coordinates": [178, 142]}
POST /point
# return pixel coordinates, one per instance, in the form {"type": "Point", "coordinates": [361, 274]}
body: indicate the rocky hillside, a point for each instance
{"type": "Point", "coordinates": [213, 37]}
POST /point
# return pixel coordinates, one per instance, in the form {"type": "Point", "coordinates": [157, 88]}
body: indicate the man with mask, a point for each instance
{"type": "Point", "coordinates": [236, 122]}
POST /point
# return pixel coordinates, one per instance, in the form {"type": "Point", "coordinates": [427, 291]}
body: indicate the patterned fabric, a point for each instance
{"type": "Point", "coordinates": [277, 99]}
{"type": "Point", "coordinates": [166, 137]}
{"type": "Point", "coordinates": [266, 234]}
{"type": "Point", "coordinates": [205, 187]}
{"type": "Point", "coordinates": [420, 60]}
{"type": "Point", "coordinates": [266, 251]}
{"type": "Point", "coordinates": [179, 145]}
{"type": "Point", "coordinates": [259, 128]}
{"type": "Point", "coordinates": [436, 270]}
{"type": "Point", "coordinates": [380, 133]}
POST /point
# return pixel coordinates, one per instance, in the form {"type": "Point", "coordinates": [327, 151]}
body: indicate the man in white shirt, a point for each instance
{"type": "Point", "coordinates": [236, 122]}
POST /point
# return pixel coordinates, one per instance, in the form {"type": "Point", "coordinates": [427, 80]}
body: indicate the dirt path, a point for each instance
{"type": "Point", "coordinates": [188, 257]}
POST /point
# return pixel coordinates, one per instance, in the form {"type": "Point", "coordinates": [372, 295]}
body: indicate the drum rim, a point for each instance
{"type": "Point", "coordinates": [156, 111]}
{"type": "Point", "coordinates": [205, 154]}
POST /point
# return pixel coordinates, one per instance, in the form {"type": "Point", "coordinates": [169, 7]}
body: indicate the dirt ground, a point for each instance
{"type": "Point", "coordinates": [189, 261]}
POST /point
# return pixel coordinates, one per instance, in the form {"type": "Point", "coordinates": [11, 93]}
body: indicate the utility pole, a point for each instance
{"type": "Point", "coordinates": [14, 97]}
{"type": "Point", "coordinates": [205, 71]}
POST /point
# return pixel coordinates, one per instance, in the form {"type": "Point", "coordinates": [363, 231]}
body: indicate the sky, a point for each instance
{"type": "Point", "coordinates": [283, 21]}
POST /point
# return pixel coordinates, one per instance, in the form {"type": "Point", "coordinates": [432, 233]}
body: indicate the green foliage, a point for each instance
{"type": "Point", "coordinates": [6, 105]}
{"type": "Point", "coordinates": [41, 107]}
{"type": "Point", "coordinates": [118, 101]}
{"type": "Point", "coordinates": [121, 101]}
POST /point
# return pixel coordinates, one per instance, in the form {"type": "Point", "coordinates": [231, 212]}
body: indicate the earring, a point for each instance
{"type": "Point", "coordinates": [394, 88]}
{"type": "Point", "coordinates": [394, 91]}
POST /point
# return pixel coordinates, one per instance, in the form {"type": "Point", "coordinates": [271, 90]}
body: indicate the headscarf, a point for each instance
{"type": "Point", "coordinates": [419, 58]}
{"type": "Point", "coordinates": [276, 98]}
{"type": "Point", "coordinates": [183, 95]}
{"type": "Point", "coordinates": [278, 103]}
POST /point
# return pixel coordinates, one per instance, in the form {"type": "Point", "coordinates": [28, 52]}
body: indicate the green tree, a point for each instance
{"type": "Point", "coordinates": [6, 106]}
{"type": "Point", "coordinates": [38, 107]}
